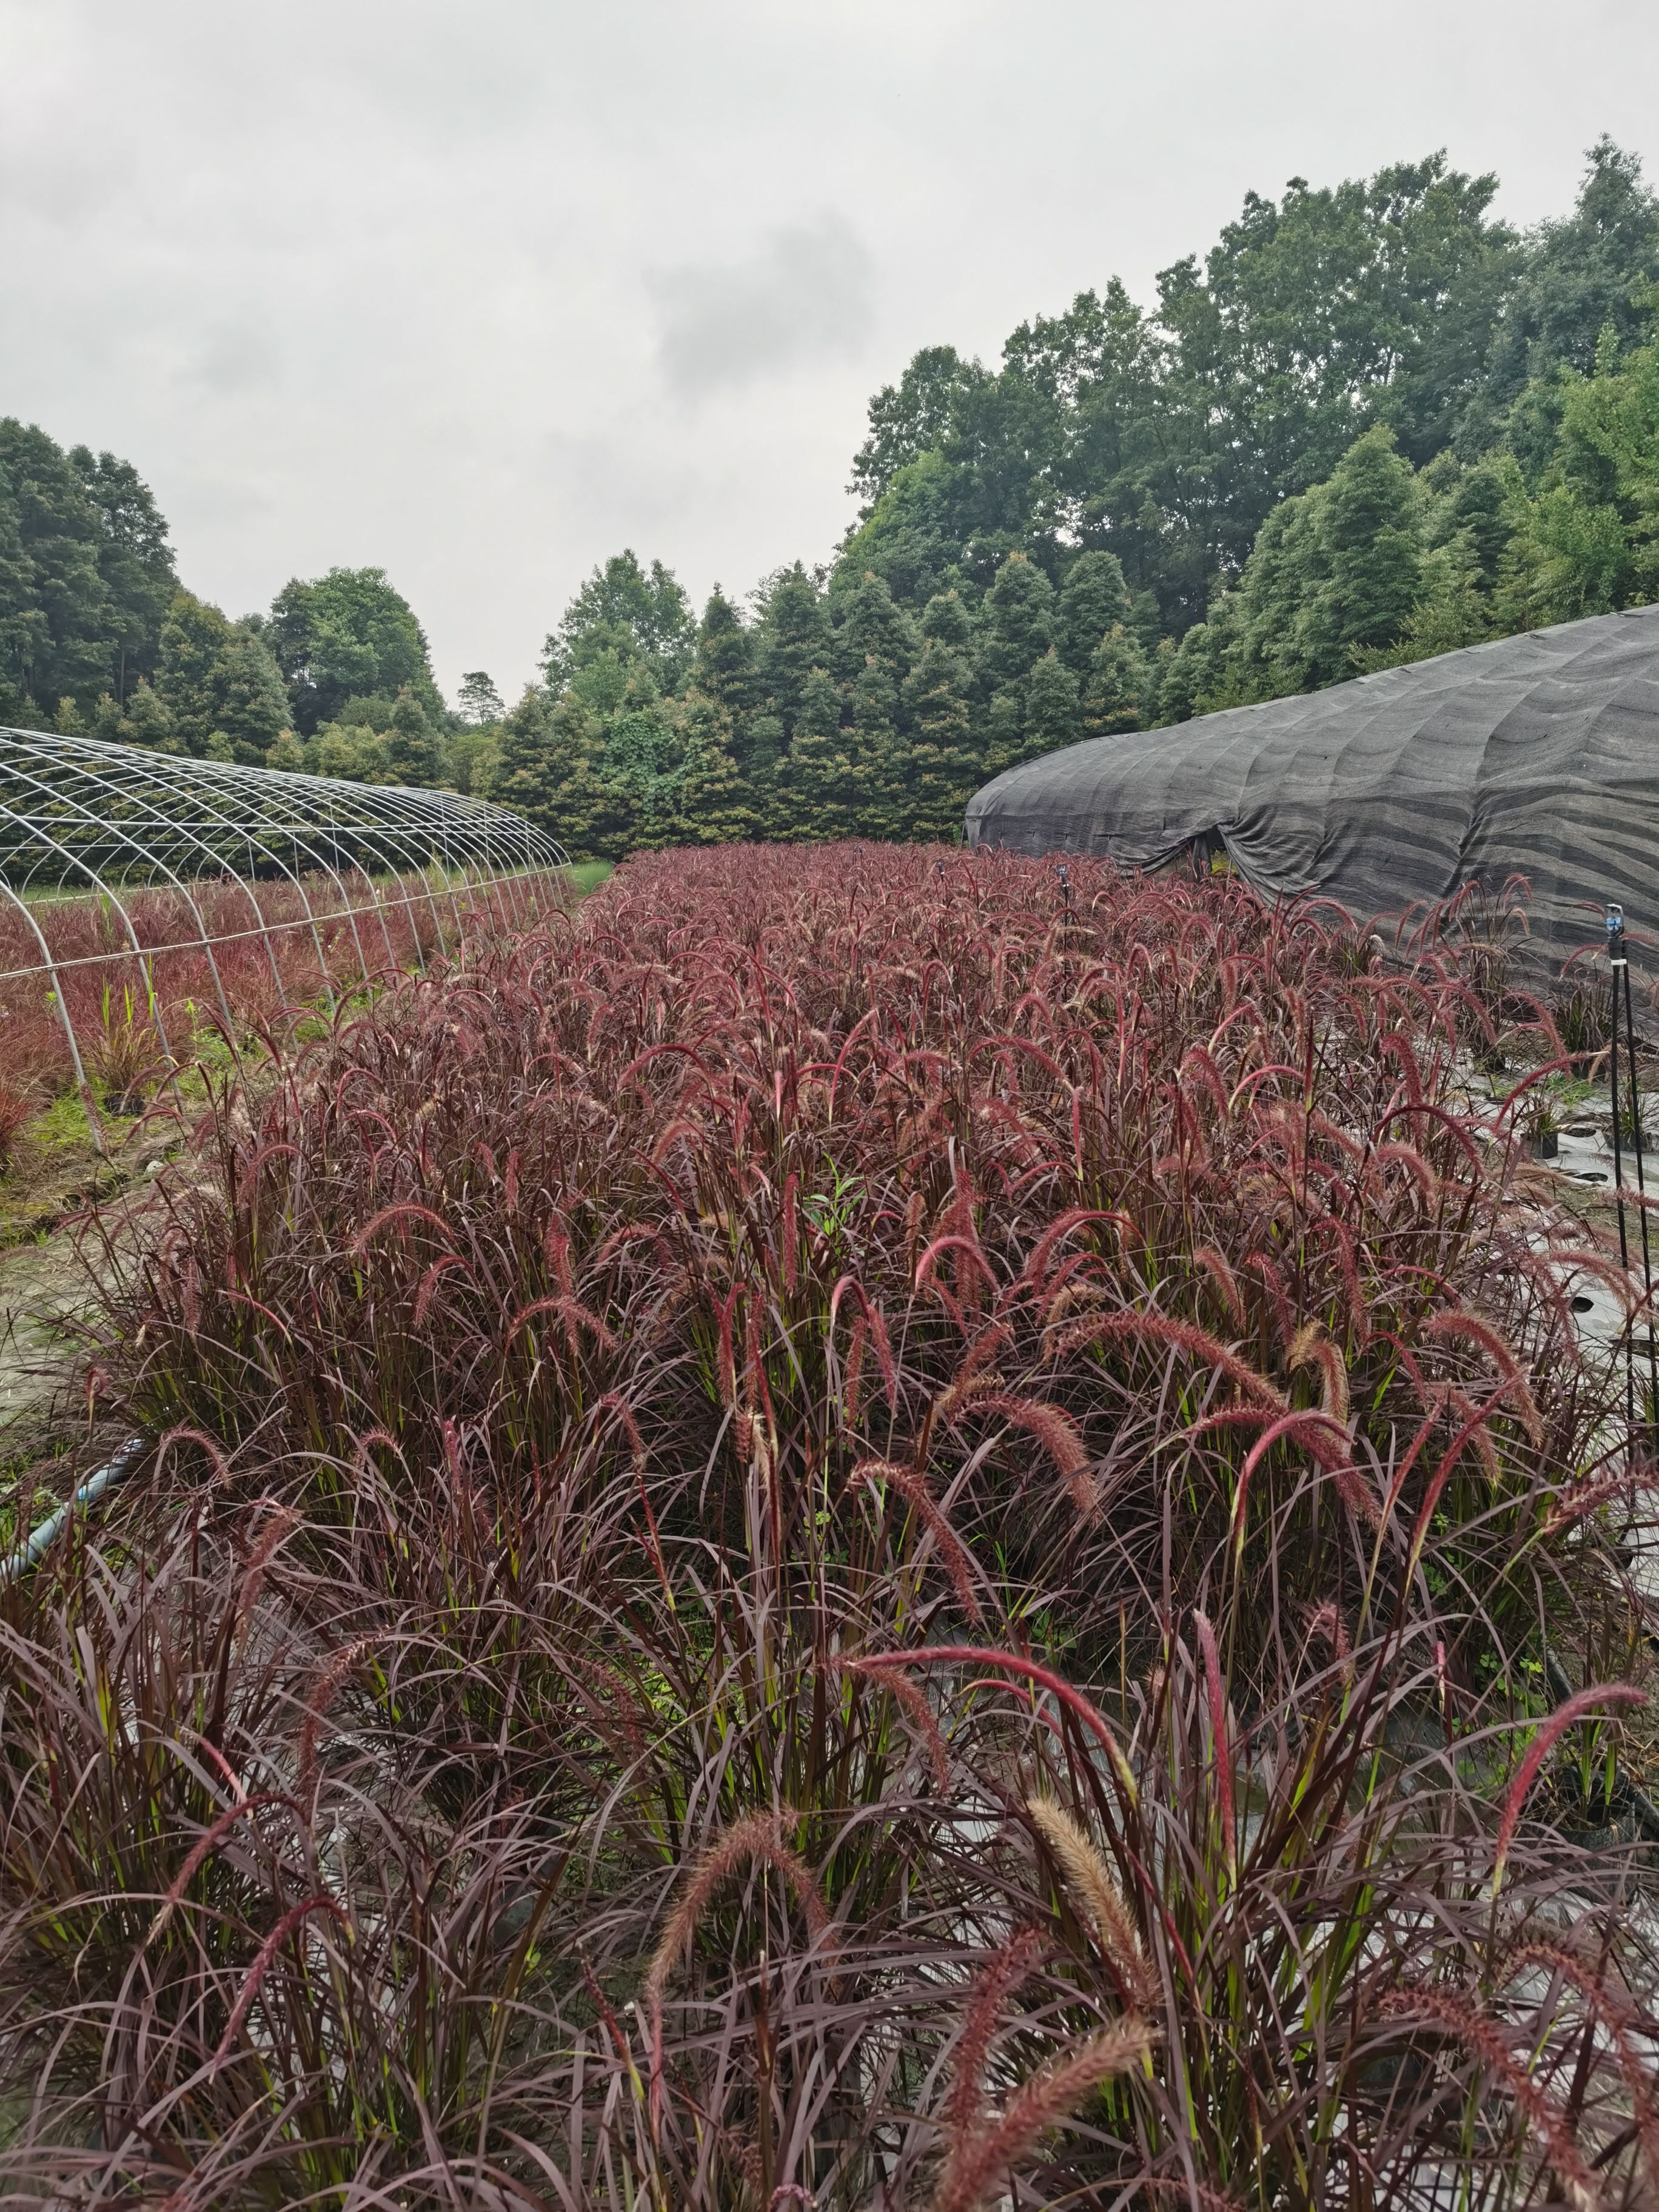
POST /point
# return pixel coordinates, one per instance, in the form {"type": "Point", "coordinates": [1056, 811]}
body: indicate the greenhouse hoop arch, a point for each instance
{"type": "Point", "coordinates": [331, 886]}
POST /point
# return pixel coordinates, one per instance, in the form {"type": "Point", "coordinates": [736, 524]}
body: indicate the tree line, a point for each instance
{"type": "Point", "coordinates": [1371, 424]}
{"type": "Point", "coordinates": [99, 638]}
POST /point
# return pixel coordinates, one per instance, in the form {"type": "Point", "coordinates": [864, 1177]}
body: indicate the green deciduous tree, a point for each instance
{"type": "Point", "coordinates": [1593, 271]}
{"type": "Point", "coordinates": [625, 608]}
{"type": "Point", "coordinates": [64, 642]}
{"type": "Point", "coordinates": [134, 559]}
{"type": "Point", "coordinates": [347, 634]}
{"type": "Point", "coordinates": [913, 417]}
{"type": "Point", "coordinates": [478, 702]}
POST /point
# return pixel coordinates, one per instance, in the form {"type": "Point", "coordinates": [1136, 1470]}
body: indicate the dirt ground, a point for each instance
{"type": "Point", "coordinates": [45, 1197]}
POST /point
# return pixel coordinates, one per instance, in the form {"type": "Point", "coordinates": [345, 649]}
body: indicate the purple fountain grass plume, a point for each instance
{"type": "Point", "coordinates": [1096, 1897]}
{"type": "Point", "coordinates": [280, 1525]}
{"type": "Point", "coordinates": [954, 1555]}
{"type": "Point", "coordinates": [291, 1921]}
{"type": "Point", "coordinates": [1184, 1336]}
{"type": "Point", "coordinates": [405, 1210]}
{"type": "Point", "coordinates": [1455, 1323]}
{"type": "Point", "coordinates": [1220, 1741]}
{"type": "Point", "coordinates": [1625, 2024]}
{"type": "Point", "coordinates": [1549, 1735]}
{"type": "Point", "coordinates": [1214, 1265]}
{"type": "Point", "coordinates": [206, 1844]}
{"type": "Point", "coordinates": [1059, 1436]}
{"type": "Point", "coordinates": [979, 2159]}
{"type": "Point", "coordinates": [757, 1840]}
{"type": "Point", "coordinates": [1002, 1972]}
{"type": "Point", "coordinates": [1328, 1442]}
{"type": "Point", "coordinates": [1588, 1495]}
{"type": "Point", "coordinates": [917, 1709]}
{"type": "Point", "coordinates": [1032, 1670]}
{"type": "Point", "coordinates": [326, 1688]}
{"type": "Point", "coordinates": [1311, 1348]}
{"type": "Point", "coordinates": [1485, 2039]}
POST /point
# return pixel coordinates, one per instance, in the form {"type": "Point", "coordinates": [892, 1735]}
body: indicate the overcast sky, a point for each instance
{"type": "Point", "coordinates": [483, 290]}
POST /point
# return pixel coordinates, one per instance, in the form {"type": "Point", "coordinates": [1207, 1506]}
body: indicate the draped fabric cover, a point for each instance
{"type": "Point", "coordinates": [1535, 755]}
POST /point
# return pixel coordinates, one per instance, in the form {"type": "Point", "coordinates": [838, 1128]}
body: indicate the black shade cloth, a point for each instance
{"type": "Point", "coordinates": [1536, 756]}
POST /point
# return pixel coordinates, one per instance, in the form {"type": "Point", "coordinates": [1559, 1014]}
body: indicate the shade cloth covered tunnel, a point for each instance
{"type": "Point", "coordinates": [1535, 755]}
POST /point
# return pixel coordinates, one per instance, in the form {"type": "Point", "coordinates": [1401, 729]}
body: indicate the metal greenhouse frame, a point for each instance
{"type": "Point", "coordinates": [186, 857]}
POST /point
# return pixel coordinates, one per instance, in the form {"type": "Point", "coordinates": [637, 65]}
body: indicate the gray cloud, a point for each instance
{"type": "Point", "coordinates": [235, 356]}
{"type": "Point", "coordinates": [805, 292]}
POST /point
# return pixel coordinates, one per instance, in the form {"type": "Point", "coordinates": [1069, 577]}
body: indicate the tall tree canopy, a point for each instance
{"type": "Point", "coordinates": [348, 635]}
{"type": "Point", "coordinates": [86, 575]}
{"type": "Point", "coordinates": [623, 610]}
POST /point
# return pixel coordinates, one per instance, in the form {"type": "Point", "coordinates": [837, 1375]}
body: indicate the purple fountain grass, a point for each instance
{"type": "Point", "coordinates": [1064, 1401]}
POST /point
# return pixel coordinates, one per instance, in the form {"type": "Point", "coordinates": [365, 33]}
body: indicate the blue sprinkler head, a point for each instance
{"type": "Point", "coordinates": [1615, 918]}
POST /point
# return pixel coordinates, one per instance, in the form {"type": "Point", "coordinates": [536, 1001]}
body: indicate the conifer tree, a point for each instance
{"type": "Point", "coordinates": [218, 677]}
{"type": "Point", "coordinates": [147, 721]}
{"type": "Point", "coordinates": [1117, 693]}
{"type": "Point", "coordinates": [1018, 624]}
{"type": "Point", "coordinates": [1371, 539]}
{"type": "Point", "coordinates": [723, 669]}
{"type": "Point", "coordinates": [944, 771]}
{"type": "Point", "coordinates": [413, 754]}
{"type": "Point", "coordinates": [880, 755]}
{"type": "Point", "coordinates": [193, 637]}
{"type": "Point", "coordinates": [945, 620]}
{"type": "Point", "coordinates": [1051, 706]}
{"type": "Point", "coordinates": [546, 769]}
{"type": "Point", "coordinates": [817, 780]}
{"type": "Point", "coordinates": [870, 625]}
{"type": "Point", "coordinates": [716, 805]}
{"type": "Point", "coordinates": [1093, 599]}
{"type": "Point", "coordinates": [253, 704]}
{"type": "Point", "coordinates": [793, 639]}
{"type": "Point", "coordinates": [1004, 726]}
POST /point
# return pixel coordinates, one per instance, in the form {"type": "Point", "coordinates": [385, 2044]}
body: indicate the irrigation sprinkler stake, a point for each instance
{"type": "Point", "coordinates": [1619, 961]}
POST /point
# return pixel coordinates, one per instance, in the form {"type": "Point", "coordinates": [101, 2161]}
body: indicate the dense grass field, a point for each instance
{"type": "Point", "coordinates": [853, 1528]}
